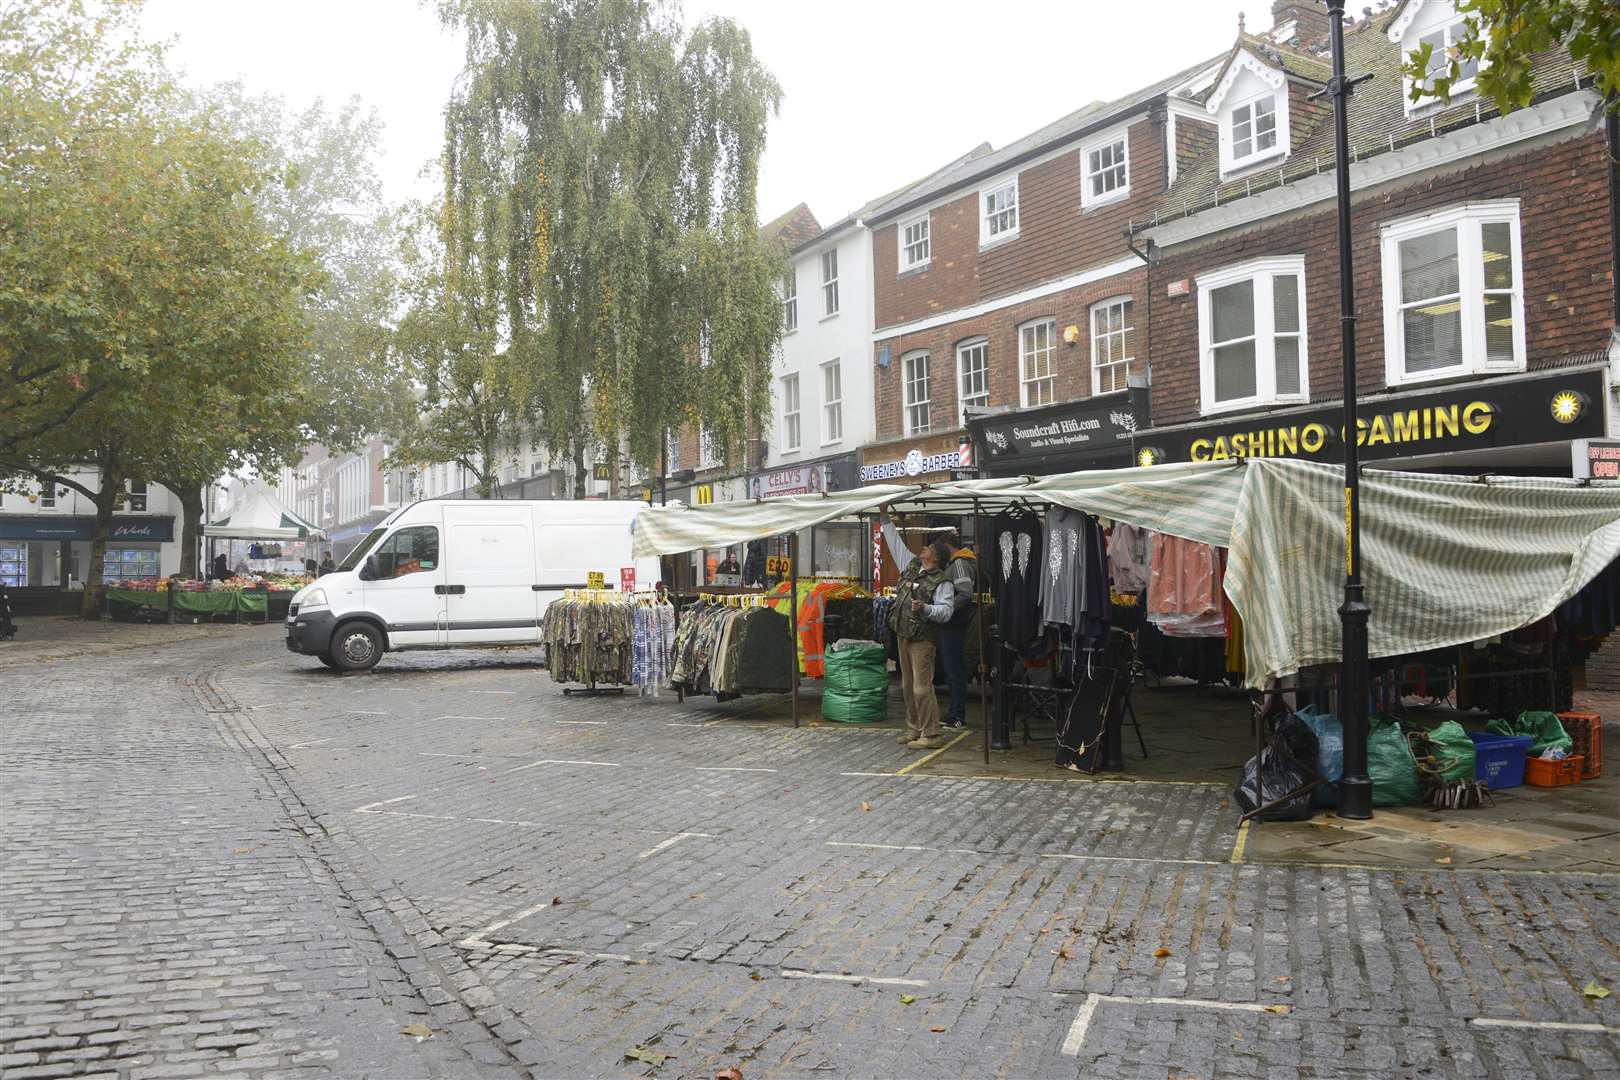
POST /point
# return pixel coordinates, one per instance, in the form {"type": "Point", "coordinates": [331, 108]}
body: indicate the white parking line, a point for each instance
{"type": "Point", "coordinates": [1082, 1021]}
{"type": "Point", "coordinates": [1132, 858]}
{"type": "Point", "coordinates": [793, 973]}
{"type": "Point", "coordinates": [369, 712]}
{"type": "Point", "coordinates": [369, 807]}
{"type": "Point", "coordinates": [1545, 1025]}
{"type": "Point", "coordinates": [671, 842]}
{"type": "Point", "coordinates": [599, 722]}
{"type": "Point", "coordinates": [507, 692]}
{"type": "Point", "coordinates": [883, 774]}
{"type": "Point", "coordinates": [728, 768]}
{"type": "Point", "coordinates": [880, 847]}
{"type": "Point", "coordinates": [453, 716]}
{"type": "Point", "coordinates": [316, 742]}
{"type": "Point", "coordinates": [476, 939]}
{"type": "Point", "coordinates": [564, 761]}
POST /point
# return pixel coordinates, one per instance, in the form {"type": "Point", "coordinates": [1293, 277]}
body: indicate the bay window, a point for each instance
{"type": "Point", "coordinates": [1453, 294]}
{"type": "Point", "coordinates": [1251, 333]}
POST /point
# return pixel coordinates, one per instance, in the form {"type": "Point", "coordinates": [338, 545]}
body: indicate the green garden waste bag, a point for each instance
{"type": "Point", "coordinates": [1454, 750]}
{"type": "Point", "coordinates": [855, 689]}
{"type": "Point", "coordinates": [1544, 727]}
{"type": "Point", "coordinates": [1390, 765]}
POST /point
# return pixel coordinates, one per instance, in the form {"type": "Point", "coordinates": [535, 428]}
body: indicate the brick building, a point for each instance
{"type": "Point", "coordinates": [1483, 262]}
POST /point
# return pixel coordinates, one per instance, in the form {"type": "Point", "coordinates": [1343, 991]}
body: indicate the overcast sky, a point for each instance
{"type": "Point", "coordinates": [876, 93]}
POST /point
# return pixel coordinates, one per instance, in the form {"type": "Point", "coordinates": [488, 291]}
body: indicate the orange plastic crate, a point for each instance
{"type": "Point", "coordinates": [1552, 773]}
{"type": "Point", "coordinates": [1586, 731]}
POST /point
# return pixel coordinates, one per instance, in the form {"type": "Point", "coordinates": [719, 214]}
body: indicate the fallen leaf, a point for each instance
{"type": "Point", "coordinates": [421, 1031]}
{"type": "Point", "coordinates": [728, 1073]}
{"type": "Point", "coordinates": [642, 1054]}
{"type": "Point", "coordinates": [241, 850]}
{"type": "Point", "coordinates": [1161, 952]}
{"type": "Point", "coordinates": [1237, 1036]}
{"type": "Point", "coordinates": [756, 976]}
{"type": "Point", "coordinates": [555, 900]}
{"type": "Point", "coordinates": [1282, 978]}
{"type": "Point", "coordinates": [1444, 861]}
{"type": "Point", "coordinates": [866, 806]}
{"type": "Point", "coordinates": [1594, 991]}
{"type": "Point", "coordinates": [1280, 1010]}
{"type": "Point", "coordinates": [907, 999]}
{"type": "Point", "coordinates": [936, 1030]}
{"type": "Point", "coordinates": [1065, 953]}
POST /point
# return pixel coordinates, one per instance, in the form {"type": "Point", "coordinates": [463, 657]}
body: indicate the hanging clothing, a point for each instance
{"type": "Point", "coordinates": [1128, 558]}
{"type": "Point", "coordinates": [1063, 565]}
{"type": "Point", "coordinates": [729, 651]}
{"type": "Point", "coordinates": [1015, 577]}
{"type": "Point", "coordinates": [610, 640]}
{"type": "Point", "coordinates": [1184, 593]}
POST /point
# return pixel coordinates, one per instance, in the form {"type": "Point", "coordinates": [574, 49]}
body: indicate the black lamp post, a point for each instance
{"type": "Point", "coordinates": [1355, 790]}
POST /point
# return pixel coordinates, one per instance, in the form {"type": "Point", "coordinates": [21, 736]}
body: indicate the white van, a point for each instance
{"type": "Point", "coordinates": [453, 573]}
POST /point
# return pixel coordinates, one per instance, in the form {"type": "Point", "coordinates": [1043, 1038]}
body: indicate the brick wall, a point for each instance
{"type": "Point", "coordinates": [1055, 236]}
{"type": "Point", "coordinates": [1072, 364]}
{"type": "Point", "coordinates": [1568, 296]}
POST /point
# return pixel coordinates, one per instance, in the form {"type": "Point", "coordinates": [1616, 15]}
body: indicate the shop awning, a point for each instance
{"type": "Point", "coordinates": [261, 517]}
{"type": "Point", "coordinates": [1446, 560]}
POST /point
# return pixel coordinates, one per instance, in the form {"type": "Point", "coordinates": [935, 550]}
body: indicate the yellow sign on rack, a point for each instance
{"type": "Point", "coordinates": [595, 580]}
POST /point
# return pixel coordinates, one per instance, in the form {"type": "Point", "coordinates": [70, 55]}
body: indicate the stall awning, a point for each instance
{"type": "Point", "coordinates": [1446, 560]}
{"type": "Point", "coordinates": [261, 517]}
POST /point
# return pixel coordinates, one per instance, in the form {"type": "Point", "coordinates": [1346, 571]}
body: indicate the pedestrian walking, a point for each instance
{"type": "Point", "coordinates": [963, 574]}
{"type": "Point", "coordinates": [922, 602]}
{"type": "Point", "coordinates": [327, 565]}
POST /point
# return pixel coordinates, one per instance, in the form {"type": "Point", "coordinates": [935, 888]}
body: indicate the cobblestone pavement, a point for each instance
{"type": "Point", "coordinates": [554, 884]}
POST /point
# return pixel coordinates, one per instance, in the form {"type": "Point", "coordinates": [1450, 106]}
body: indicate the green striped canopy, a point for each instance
{"type": "Point", "coordinates": [1446, 560]}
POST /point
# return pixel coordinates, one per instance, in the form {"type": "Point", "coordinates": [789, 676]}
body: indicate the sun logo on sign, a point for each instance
{"type": "Point", "coordinates": [1145, 457]}
{"type": "Point", "coordinates": [1567, 406]}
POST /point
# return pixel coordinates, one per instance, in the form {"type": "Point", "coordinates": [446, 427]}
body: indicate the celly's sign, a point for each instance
{"type": "Point", "coordinates": [1508, 412]}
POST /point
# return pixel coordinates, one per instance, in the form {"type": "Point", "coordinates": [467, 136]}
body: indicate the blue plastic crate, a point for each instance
{"type": "Point", "coordinates": [1499, 759]}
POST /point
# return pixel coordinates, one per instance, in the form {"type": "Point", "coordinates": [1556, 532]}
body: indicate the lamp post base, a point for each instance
{"type": "Point", "coordinates": [1355, 788]}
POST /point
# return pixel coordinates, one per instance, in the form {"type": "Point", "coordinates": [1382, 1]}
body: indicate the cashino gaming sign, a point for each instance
{"type": "Point", "coordinates": [1511, 412]}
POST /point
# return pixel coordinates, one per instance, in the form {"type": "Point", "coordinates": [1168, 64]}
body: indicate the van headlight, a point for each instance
{"type": "Point", "coordinates": [315, 598]}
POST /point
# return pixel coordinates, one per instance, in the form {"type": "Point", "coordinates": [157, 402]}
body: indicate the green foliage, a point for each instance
{"type": "Point", "coordinates": [1501, 36]}
{"type": "Point", "coordinates": [601, 165]}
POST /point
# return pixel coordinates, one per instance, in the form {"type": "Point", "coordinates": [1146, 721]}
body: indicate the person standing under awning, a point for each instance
{"type": "Point", "coordinates": [923, 602]}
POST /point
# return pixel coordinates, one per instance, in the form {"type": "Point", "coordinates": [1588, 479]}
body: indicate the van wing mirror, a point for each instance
{"type": "Point", "coordinates": [368, 569]}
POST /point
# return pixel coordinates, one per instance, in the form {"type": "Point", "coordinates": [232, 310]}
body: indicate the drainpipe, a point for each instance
{"type": "Point", "coordinates": [1612, 123]}
{"type": "Point", "coordinates": [1148, 257]}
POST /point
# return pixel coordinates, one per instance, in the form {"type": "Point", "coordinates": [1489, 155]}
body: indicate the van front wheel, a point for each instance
{"type": "Point", "coordinates": [356, 646]}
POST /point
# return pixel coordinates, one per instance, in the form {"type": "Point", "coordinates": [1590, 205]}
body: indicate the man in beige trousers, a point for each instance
{"type": "Point", "coordinates": [923, 602]}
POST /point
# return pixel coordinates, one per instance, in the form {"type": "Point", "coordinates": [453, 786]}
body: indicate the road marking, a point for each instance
{"type": "Point", "coordinates": [564, 761]}
{"type": "Point", "coordinates": [868, 774]}
{"type": "Point", "coordinates": [476, 940]}
{"type": "Point", "coordinates": [1545, 1025]}
{"type": "Point", "coordinates": [316, 742]}
{"type": "Point", "coordinates": [730, 768]}
{"type": "Point", "coordinates": [671, 842]}
{"type": "Point", "coordinates": [367, 809]}
{"type": "Point", "coordinates": [1082, 1020]}
{"type": "Point", "coordinates": [1130, 858]}
{"type": "Point", "coordinates": [926, 758]}
{"type": "Point", "coordinates": [581, 721]}
{"type": "Point", "coordinates": [369, 712]}
{"type": "Point", "coordinates": [880, 847]}
{"type": "Point", "coordinates": [683, 724]}
{"type": "Point", "coordinates": [1242, 842]}
{"type": "Point", "coordinates": [453, 716]}
{"type": "Point", "coordinates": [794, 973]}
{"type": "Point", "coordinates": [489, 691]}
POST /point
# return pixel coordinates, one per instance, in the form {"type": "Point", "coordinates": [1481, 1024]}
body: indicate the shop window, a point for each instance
{"type": "Point", "coordinates": [1106, 170]}
{"type": "Point", "coordinates": [13, 564]}
{"type": "Point", "coordinates": [914, 374]}
{"type": "Point", "coordinates": [790, 413]}
{"type": "Point", "coordinates": [1110, 338]}
{"type": "Point", "coordinates": [914, 244]}
{"type": "Point", "coordinates": [829, 283]}
{"type": "Point", "coordinates": [790, 301]}
{"type": "Point", "coordinates": [1453, 295]}
{"type": "Point", "coordinates": [124, 564]}
{"type": "Point", "coordinates": [832, 402]}
{"type": "Point", "coordinates": [998, 219]}
{"type": "Point", "coordinates": [1251, 334]}
{"type": "Point", "coordinates": [972, 374]}
{"type": "Point", "coordinates": [1037, 377]}
{"type": "Point", "coordinates": [410, 551]}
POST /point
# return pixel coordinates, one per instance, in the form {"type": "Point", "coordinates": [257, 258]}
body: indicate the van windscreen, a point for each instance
{"type": "Point", "coordinates": [362, 549]}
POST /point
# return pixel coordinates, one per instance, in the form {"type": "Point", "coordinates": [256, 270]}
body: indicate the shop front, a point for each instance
{"type": "Point", "coordinates": [1528, 424]}
{"type": "Point", "coordinates": [831, 550]}
{"type": "Point", "coordinates": [1092, 433]}
{"type": "Point", "coordinates": [49, 551]}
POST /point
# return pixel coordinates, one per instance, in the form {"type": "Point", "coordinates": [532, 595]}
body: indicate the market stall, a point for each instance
{"type": "Point", "coordinates": [1448, 560]}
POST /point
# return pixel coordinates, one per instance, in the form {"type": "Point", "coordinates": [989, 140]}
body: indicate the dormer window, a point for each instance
{"type": "Point", "coordinates": [1254, 129]}
{"type": "Point", "coordinates": [1250, 105]}
{"type": "Point", "coordinates": [1438, 25]}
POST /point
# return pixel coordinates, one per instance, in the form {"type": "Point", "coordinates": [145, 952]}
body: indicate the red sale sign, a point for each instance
{"type": "Point", "coordinates": [627, 579]}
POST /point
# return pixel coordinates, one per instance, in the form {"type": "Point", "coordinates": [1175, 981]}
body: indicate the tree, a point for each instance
{"type": "Point", "coordinates": [1500, 37]}
{"type": "Point", "coordinates": [601, 163]}
{"type": "Point", "coordinates": [147, 297]}
{"type": "Point", "coordinates": [470, 395]}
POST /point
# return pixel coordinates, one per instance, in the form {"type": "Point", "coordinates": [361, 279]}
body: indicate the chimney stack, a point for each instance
{"type": "Point", "coordinates": [1300, 23]}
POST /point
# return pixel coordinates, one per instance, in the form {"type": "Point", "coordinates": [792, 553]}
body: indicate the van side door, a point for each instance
{"type": "Point", "coordinates": [490, 552]}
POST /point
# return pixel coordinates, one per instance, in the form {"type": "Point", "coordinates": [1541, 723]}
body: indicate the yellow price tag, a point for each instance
{"type": "Point", "coordinates": [595, 580]}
